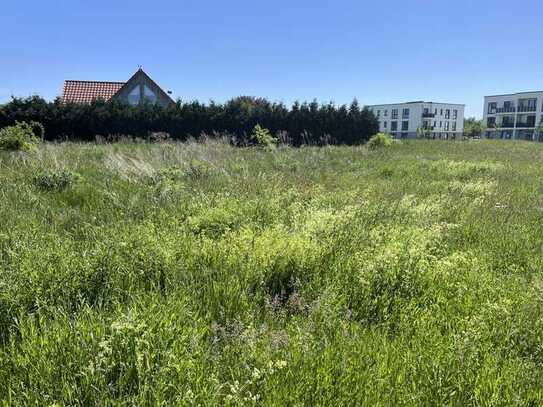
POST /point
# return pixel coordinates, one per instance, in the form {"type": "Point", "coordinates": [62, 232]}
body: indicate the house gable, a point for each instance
{"type": "Point", "coordinates": [141, 88]}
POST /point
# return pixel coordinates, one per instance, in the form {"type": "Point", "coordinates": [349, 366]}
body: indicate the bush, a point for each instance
{"type": "Point", "coordinates": [380, 140]}
{"type": "Point", "coordinates": [22, 136]}
{"type": "Point", "coordinates": [263, 137]}
{"type": "Point", "coordinates": [54, 180]}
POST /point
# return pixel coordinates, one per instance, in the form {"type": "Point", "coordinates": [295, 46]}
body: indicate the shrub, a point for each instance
{"type": "Point", "coordinates": [380, 140]}
{"type": "Point", "coordinates": [54, 180]}
{"type": "Point", "coordinates": [263, 137]}
{"type": "Point", "coordinates": [21, 136]}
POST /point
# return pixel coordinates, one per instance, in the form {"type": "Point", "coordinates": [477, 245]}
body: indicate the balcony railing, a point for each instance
{"type": "Point", "coordinates": [508, 125]}
{"type": "Point", "coordinates": [523, 109]}
{"type": "Point", "coordinates": [510, 109]}
{"type": "Point", "coordinates": [428, 115]}
{"type": "Point", "coordinates": [526, 125]}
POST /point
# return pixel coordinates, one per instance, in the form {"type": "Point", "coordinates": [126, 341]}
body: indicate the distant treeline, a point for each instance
{"type": "Point", "coordinates": [302, 123]}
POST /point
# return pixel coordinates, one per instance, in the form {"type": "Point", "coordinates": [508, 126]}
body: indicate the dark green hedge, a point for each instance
{"type": "Point", "coordinates": [301, 123]}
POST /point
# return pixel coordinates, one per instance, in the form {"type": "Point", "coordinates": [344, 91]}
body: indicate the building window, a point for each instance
{"type": "Point", "coordinates": [405, 114]}
{"type": "Point", "coordinates": [448, 114]}
{"type": "Point", "coordinates": [405, 125]}
{"type": "Point", "coordinates": [435, 111]}
{"type": "Point", "coordinates": [394, 114]}
{"type": "Point", "coordinates": [378, 113]}
{"type": "Point", "coordinates": [386, 113]}
{"type": "Point", "coordinates": [492, 107]}
{"type": "Point", "coordinates": [446, 126]}
{"type": "Point", "coordinates": [135, 95]}
{"type": "Point", "coordinates": [441, 112]}
{"type": "Point", "coordinates": [435, 123]}
{"type": "Point", "coordinates": [149, 95]}
{"type": "Point", "coordinates": [455, 114]}
{"type": "Point", "coordinates": [490, 122]}
{"type": "Point", "coordinates": [454, 126]}
{"type": "Point", "coordinates": [440, 124]}
{"type": "Point", "coordinates": [385, 125]}
{"type": "Point", "coordinates": [394, 126]}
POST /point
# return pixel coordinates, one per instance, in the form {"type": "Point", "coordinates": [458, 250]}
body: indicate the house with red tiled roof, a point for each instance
{"type": "Point", "coordinates": [140, 88]}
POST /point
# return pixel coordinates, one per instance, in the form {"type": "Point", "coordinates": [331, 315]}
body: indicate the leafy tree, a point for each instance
{"type": "Point", "coordinates": [473, 128]}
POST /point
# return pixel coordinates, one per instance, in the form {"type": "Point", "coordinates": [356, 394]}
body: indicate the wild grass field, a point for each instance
{"type": "Point", "coordinates": [199, 273]}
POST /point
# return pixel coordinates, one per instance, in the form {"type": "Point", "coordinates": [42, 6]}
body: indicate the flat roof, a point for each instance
{"type": "Point", "coordinates": [418, 102]}
{"type": "Point", "coordinates": [516, 93]}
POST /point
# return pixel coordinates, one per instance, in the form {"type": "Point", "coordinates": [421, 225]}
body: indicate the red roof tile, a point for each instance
{"type": "Point", "coordinates": [87, 91]}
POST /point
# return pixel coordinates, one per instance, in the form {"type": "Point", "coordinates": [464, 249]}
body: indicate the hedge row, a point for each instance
{"type": "Point", "coordinates": [301, 123]}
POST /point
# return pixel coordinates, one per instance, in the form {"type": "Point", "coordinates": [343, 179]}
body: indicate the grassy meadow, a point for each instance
{"type": "Point", "coordinates": [202, 274]}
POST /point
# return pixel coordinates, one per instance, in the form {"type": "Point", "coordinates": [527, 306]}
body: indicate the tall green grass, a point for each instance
{"type": "Point", "coordinates": [203, 274]}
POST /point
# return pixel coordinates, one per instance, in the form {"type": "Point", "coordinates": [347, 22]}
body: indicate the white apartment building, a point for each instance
{"type": "Point", "coordinates": [514, 116]}
{"type": "Point", "coordinates": [414, 119]}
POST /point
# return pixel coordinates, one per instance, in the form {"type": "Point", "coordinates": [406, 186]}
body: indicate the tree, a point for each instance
{"type": "Point", "coordinates": [473, 128]}
{"type": "Point", "coordinates": [538, 133]}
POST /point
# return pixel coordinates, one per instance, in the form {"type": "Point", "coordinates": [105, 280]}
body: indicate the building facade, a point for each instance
{"type": "Point", "coordinates": [514, 116]}
{"type": "Point", "coordinates": [140, 88]}
{"type": "Point", "coordinates": [420, 119]}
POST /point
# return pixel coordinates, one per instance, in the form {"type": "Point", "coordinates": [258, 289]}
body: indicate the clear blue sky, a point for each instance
{"type": "Point", "coordinates": [377, 51]}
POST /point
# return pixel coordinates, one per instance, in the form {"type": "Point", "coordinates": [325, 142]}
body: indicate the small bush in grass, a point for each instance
{"type": "Point", "coordinates": [21, 137]}
{"type": "Point", "coordinates": [264, 138]}
{"type": "Point", "coordinates": [54, 180]}
{"type": "Point", "coordinates": [380, 140]}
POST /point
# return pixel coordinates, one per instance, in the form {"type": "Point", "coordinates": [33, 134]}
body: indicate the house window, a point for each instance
{"type": "Point", "coordinates": [405, 114]}
{"type": "Point", "coordinates": [149, 95]}
{"type": "Point", "coordinates": [394, 114]}
{"type": "Point", "coordinates": [405, 126]}
{"type": "Point", "coordinates": [134, 95]}
{"type": "Point", "coordinates": [394, 126]}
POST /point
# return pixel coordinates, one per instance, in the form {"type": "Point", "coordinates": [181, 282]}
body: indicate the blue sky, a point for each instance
{"type": "Point", "coordinates": [376, 51]}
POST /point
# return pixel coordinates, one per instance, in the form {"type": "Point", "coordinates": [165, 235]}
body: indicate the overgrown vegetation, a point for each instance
{"type": "Point", "coordinates": [200, 273]}
{"type": "Point", "coordinates": [301, 123]}
{"type": "Point", "coordinates": [21, 136]}
{"type": "Point", "coordinates": [380, 140]}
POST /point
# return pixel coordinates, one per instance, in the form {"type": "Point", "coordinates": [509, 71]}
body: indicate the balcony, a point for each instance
{"type": "Point", "coordinates": [509, 109]}
{"type": "Point", "coordinates": [428, 115]}
{"type": "Point", "coordinates": [524, 109]}
{"type": "Point", "coordinates": [527, 125]}
{"type": "Point", "coordinates": [507, 125]}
